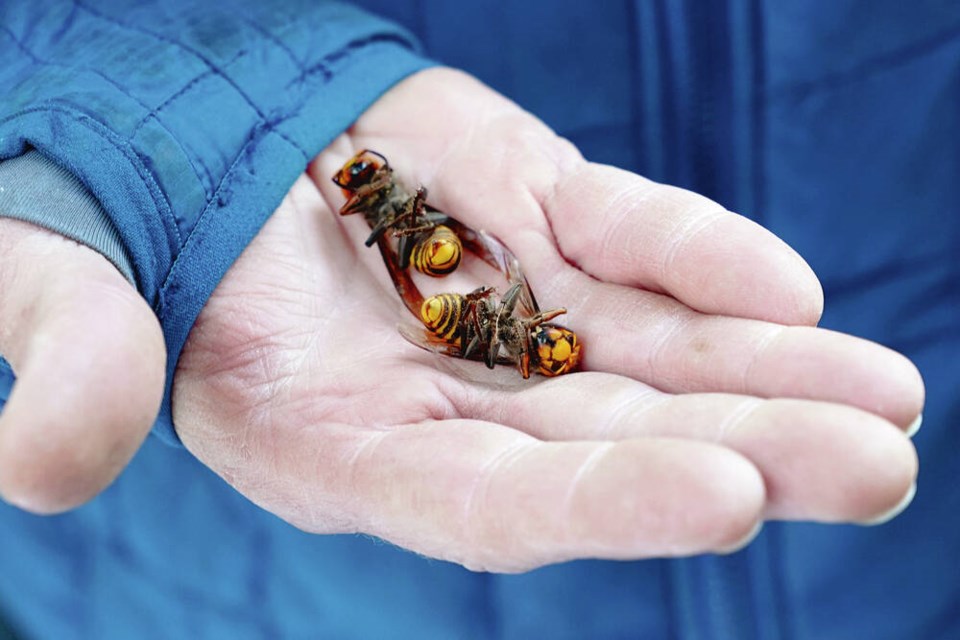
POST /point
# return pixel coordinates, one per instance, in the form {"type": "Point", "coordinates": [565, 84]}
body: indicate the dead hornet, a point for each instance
{"type": "Point", "coordinates": [425, 239]}
{"type": "Point", "coordinates": [478, 326]}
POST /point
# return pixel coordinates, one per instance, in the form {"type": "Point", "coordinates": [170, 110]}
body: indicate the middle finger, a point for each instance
{"type": "Point", "coordinates": [820, 461]}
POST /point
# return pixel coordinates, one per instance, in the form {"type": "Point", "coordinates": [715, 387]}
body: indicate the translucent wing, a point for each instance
{"type": "Point", "coordinates": [488, 248]}
{"type": "Point", "coordinates": [421, 337]}
{"type": "Point", "coordinates": [402, 282]}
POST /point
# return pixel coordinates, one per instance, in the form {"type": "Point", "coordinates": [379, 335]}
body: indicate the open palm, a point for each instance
{"type": "Point", "coordinates": [708, 402]}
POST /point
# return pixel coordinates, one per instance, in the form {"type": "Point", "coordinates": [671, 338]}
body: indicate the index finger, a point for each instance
{"type": "Point", "coordinates": [622, 228]}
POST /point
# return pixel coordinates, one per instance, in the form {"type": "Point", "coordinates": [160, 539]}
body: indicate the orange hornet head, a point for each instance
{"type": "Point", "coordinates": [359, 170]}
{"type": "Point", "coordinates": [558, 349]}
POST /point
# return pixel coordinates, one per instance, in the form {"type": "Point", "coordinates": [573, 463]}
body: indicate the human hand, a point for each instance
{"type": "Point", "coordinates": [296, 387]}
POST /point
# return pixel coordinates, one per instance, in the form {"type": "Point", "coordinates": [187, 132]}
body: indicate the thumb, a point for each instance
{"type": "Point", "coordinates": [89, 358]}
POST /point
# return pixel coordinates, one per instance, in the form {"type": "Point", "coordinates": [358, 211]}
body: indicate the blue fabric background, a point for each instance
{"type": "Point", "coordinates": [833, 123]}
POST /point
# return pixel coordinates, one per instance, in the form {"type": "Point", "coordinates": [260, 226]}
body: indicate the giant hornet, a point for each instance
{"type": "Point", "coordinates": [478, 326]}
{"type": "Point", "coordinates": [425, 240]}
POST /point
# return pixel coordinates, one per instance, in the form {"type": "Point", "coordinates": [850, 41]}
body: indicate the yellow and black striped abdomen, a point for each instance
{"type": "Point", "coordinates": [437, 254]}
{"type": "Point", "coordinates": [441, 315]}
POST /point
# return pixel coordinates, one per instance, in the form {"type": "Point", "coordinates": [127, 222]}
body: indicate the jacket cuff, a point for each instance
{"type": "Point", "coordinates": [189, 122]}
{"type": "Point", "coordinates": [35, 189]}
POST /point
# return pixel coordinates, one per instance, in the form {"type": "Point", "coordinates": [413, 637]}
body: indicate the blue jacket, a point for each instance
{"type": "Point", "coordinates": [836, 124]}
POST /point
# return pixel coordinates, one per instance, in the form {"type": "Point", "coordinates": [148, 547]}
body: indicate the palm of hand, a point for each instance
{"type": "Point", "coordinates": [296, 387]}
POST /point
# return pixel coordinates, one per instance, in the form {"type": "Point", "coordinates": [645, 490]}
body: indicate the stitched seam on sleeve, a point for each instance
{"type": "Point", "coordinates": [181, 91]}
{"type": "Point", "coordinates": [60, 65]}
{"type": "Point", "coordinates": [275, 40]}
{"type": "Point", "coordinates": [193, 159]}
{"type": "Point", "coordinates": [152, 113]}
{"type": "Point", "coordinates": [214, 199]}
{"type": "Point", "coordinates": [322, 66]}
{"type": "Point", "coordinates": [199, 56]}
{"type": "Point", "coordinates": [123, 146]}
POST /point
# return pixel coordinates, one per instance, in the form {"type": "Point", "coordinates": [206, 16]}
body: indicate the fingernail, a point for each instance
{"type": "Point", "coordinates": [915, 426]}
{"type": "Point", "coordinates": [743, 542]}
{"type": "Point", "coordinates": [895, 511]}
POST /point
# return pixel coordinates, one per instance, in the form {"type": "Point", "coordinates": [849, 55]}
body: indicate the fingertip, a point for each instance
{"type": "Point", "coordinates": [914, 426]}
{"type": "Point", "coordinates": [736, 503]}
{"type": "Point", "coordinates": [907, 411]}
{"type": "Point", "coordinates": [809, 301]}
{"type": "Point", "coordinates": [741, 544]}
{"type": "Point", "coordinates": [825, 365]}
{"type": "Point", "coordinates": [894, 511]}
{"type": "Point", "coordinates": [897, 391]}
{"type": "Point", "coordinates": [896, 486]}
{"type": "Point", "coordinates": [801, 297]}
{"type": "Point", "coordinates": [739, 268]}
{"type": "Point", "coordinates": [888, 465]}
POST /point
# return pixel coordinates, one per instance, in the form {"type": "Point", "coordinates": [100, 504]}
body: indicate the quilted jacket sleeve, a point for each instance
{"type": "Point", "coordinates": [188, 121]}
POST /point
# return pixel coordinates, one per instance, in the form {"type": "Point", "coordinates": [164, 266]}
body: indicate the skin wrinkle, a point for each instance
{"type": "Point", "coordinates": [683, 234]}
{"type": "Point", "coordinates": [657, 347]}
{"type": "Point", "coordinates": [273, 387]}
{"type": "Point", "coordinates": [774, 332]}
{"type": "Point", "coordinates": [305, 352]}
{"type": "Point", "coordinates": [458, 399]}
{"type": "Point", "coordinates": [546, 230]}
{"type": "Point", "coordinates": [444, 407]}
{"type": "Point", "coordinates": [624, 204]}
{"type": "Point", "coordinates": [474, 506]}
{"type": "Point", "coordinates": [353, 464]}
{"type": "Point", "coordinates": [233, 375]}
{"type": "Point", "coordinates": [260, 441]}
{"type": "Point", "coordinates": [737, 418]}
{"type": "Point", "coordinates": [567, 164]}
{"type": "Point", "coordinates": [314, 498]}
{"type": "Point", "coordinates": [232, 448]}
{"type": "Point", "coordinates": [586, 467]}
{"type": "Point", "coordinates": [251, 421]}
{"type": "Point", "coordinates": [301, 351]}
{"type": "Point", "coordinates": [635, 406]}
